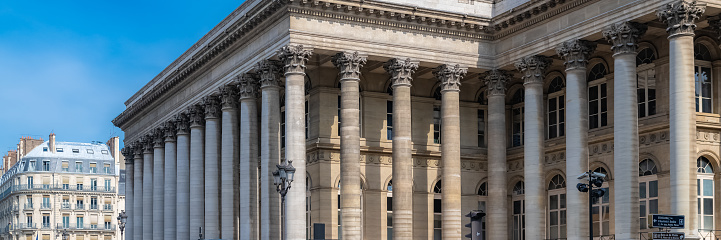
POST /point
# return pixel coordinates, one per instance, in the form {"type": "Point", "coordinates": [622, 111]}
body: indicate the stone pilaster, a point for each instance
{"type": "Point", "coordinates": [681, 17]}
{"type": "Point", "coordinates": [294, 58]}
{"type": "Point", "coordinates": [269, 72]}
{"type": "Point", "coordinates": [349, 65]}
{"type": "Point", "coordinates": [401, 72]}
{"type": "Point", "coordinates": [624, 37]}
{"type": "Point", "coordinates": [248, 93]}
{"type": "Point", "coordinates": [212, 158]}
{"type": "Point", "coordinates": [127, 152]}
{"type": "Point", "coordinates": [576, 54]}
{"type": "Point", "coordinates": [229, 178]}
{"type": "Point", "coordinates": [533, 69]}
{"type": "Point", "coordinates": [137, 220]}
{"type": "Point", "coordinates": [182, 124]}
{"type": "Point", "coordinates": [196, 114]}
{"type": "Point", "coordinates": [170, 186]}
{"type": "Point", "coordinates": [497, 208]}
{"type": "Point", "coordinates": [450, 77]}
{"type": "Point", "coordinates": [148, 187]}
{"type": "Point", "coordinates": [158, 183]}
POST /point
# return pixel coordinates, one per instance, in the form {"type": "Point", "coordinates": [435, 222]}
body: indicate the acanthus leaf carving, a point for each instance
{"type": "Point", "coordinates": [294, 58]}
{"type": "Point", "coordinates": [196, 113]}
{"type": "Point", "coordinates": [450, 76]}
{"type": "Point", "coordinates": [496, 81]}
{"type": "Point", "coordinates": [349, 65]}
{"type": "Point", "coordinates": [624, 36]}
{"type": "Point", "coordinates": [212, 106]}
{"type": "Point", "coordinates": [248, 86]}
{"type": "Point", "coordinates": [269, 73]}
{"type": "Point", "coordinates": [401, 71]}
{"type": "Point", "coordinates": [576, 53]}
{"type": "Point", "coordinates": [681, 17]}
{"type": "Point", "coordinates": [533, 68]}
{"type": "Point", "coordinates": [170, 128]}
{"type": "Point", "coordinates": [182, 123]}
{"type": "Point", "coordinates": [229, 96]}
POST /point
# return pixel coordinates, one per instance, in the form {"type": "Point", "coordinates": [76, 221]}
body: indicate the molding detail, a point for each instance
{"type": "Point", "coordinates": [170, 131]}
{"type": "Point", "coordinates": [401, 71]}
{"type": "Point", "coordinates": [182, 123]}
{"type": "Point", "coordinates": [533, 68]}
{"type": "Point", "coordinates": [681, 17]}
{"type": "Point", "coordinates": [450, 77]}
{"type": "Point", "coordinates": [554, 158]}
{"type": "Point", "coordinates": [294, 58]}
{"type": "Point", "coordinates": [196, 113]}
{"type": "Point", "coordinates": [496, 81]}
{"type": "Point", "coordinates": [212, 106]}
{"type": "Point", "coordinates": [624, 36]}
{"type": "Point", "coordinates": [158, 136]}
{"type": "Point", "coordinates": [138, 149]}
{"type": "Point", "coordinates": [349, 65]}
{"type": "Point", "coordinates": [576, 53]}
{"type": "Point", "coordinates": [707, 136]}
{"type": "Point", "coordinates": [248, 86]}
{"type": "Point", "coordinates": [147, 142]}
{"type": "Point", "coordinates": [229, 96]}
{"type": "Point", "coordinates": [269, 73]}
{"type": "Point", "coordinates": [128, 153]}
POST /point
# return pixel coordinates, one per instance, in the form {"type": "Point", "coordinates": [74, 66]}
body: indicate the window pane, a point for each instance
{"type": "Point", "coordinates": [604, 119]}
{"type": "Point", "coordinates": [593, 107]}
{"type": "Point", "coordinates": [603, 90]}
{"type": "Point", "coordinates": [593, 93]}
{"type": "Point", "coordinates": [553, 202]}
{"type": "Point", "coordinates": [653, 206]}
{"type": "Point", "coordinates": [708, 206]}
{"type": "Point", "coordinates": [706, 105]}
{"type": "Point", "coordinates": [708, 222]}
{"type": "Point", "coordinates": [642, 190]}
{"type": "Point", "coordinates": [516, 207]}
{"type": "Point", "coordinates": [563, 200]}
{"type": "Point", "coordinates": [554, 218]}
{"type": "Point", "coordinates": [643, 209]}
{"type": "Point", "coordinates": [653, 189]}
{"type": "Point", "coordinates": [708, 187]}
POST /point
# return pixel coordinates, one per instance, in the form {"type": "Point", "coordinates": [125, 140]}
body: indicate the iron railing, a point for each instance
{"type": "Point", "coordinates": [45, 206]}
{"type": "Point", "coordinates": [26, 226]}
{"type": "Point", "coordinates": [28, 206]}
{"type": "Point", "coordinates": [709, 234]}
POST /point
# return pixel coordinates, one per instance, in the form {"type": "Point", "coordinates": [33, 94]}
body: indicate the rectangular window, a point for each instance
{"type": "Point", "coordinates": [648, 199]}
{"type": "Point", "coordinates": [107, 185]}
{"type": "Point", "coordinates": [389, 120]}
{"type": "Point", "coordinates": [65, 166]}
{"type": "Point", "coordinates": [94, 184]}
{"type": "Point", "coordinates": [79, 204]}
{"type": "Point", "coordinates": [46, 221]}
{"type": "Point", "coordinates": [93, 168]}
{"type": "Point", "coordinates": [437, 124]}
{"type": "Point", "coordinates": [59, 149]}
{"type": "Point", "coordinates": [517, 126]}
{"type": "Point", "coordinates": [79, 167]}
{"type": "Point", "coordinates": [646, 92]}
{"type": "Point", "coordinates": [66, 203]}
{"type": "Point", "coordinates": [104, 152]}
{"type": "Point", "coordinates": [46, 165]}
{"type": "Point", "coordinates": [481, 128]}
{"type": "Point", "coordinates": [703, 89]}
{"type": "Point", "coordinates": [80, 186]}
{"type": "Point", "coordinates": [106, 168]}
{"type": "Point", "coordinates": [46, 202]}
{"type": "Point", "coordinates": [90, 151]}
{"type": "Point", "coordinates": [556, 117]}
{"type": "Point", "coordinates": [597, 106]}
{"type": "Point", "coordinates": [66, 221]}
{"type": "Point", "coordinates": [33, 166]}
{"type": "Point", "coordinates": [30, 220]}
{"type": "Point", "coordinates": [94, 203]}
{"type": "Point", "coordinates": [30, 182]}
{"type": "Point", "coordinates": [76, 150]}
{"type": "Point", "coordinates": [79, 222]}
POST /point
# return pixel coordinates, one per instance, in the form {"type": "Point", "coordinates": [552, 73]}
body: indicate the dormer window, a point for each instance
{"type": "Point", "coordinates": [90, 151]}
{"type": "Point", "coordinates": [45, 149]}
{"type": "Point", "coordinates": [76, 150]}
{"type": "Point", "coordinates": [104, 151]}
{"type": "Point", "coordinates": [59, 149]}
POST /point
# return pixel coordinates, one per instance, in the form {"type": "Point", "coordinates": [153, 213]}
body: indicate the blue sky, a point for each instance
{"type": "Point", "coordinates": [68, 66]}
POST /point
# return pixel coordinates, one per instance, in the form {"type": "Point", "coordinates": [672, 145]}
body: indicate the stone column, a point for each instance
{"type": "Point", "coordinates": [497, 208]}
{"type": "Point", "coordinates": [229, 167]}
{"type": "Point", "coordinates": [681, 17]}
{"type": "Point", "coordinates": [533, 69]}
{"type": "Point", "coordinates": [623, 37]}
{"type": "Point", "coordinates": [269, 72]}
{"type": "Point", "coordinates": [197, 173]}
{"type": "Point", "coordinates": [183, 229]}
{"type": "Point", "coordinates": [576, 53]}
{"type": "Point", "coordinates": [148, 224]}
{"type": "Point", "coordinates": [158, 183]}
{"type": "Point", "coordinates": [450, 78]}
{"type": "Point", "coordinates": [212, 161]}
{"type": "Point", "coordinates": [401, 71]}
{"type": "Point", "coordinates": [170, 185]}
{"type": "Point", "coordinates": [349, 65]}
{"type": "Point", "coordinates": [248, 93]}
{"type": "Point", "coordinates": [127, 152]}
{"type": "Point", "coordinates": [137, 219]}
{"type": "Point", "coordinates": [294, 58]}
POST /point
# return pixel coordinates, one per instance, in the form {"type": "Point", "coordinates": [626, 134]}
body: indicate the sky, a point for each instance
{"type": "Point", "coordinates": [67, 67]}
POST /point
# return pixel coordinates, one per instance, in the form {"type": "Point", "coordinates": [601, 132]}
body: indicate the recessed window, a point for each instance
{"type": "Point", "coordinates": [103, 151]}
{"type": "Point", "coordinates": [45, 149]}
{"type": "Point", "coordinates": [59, 149]}
{"type": "Point", "coordinates": [76, 150]}
{"type": "Point", "coordinates": [90, 151]}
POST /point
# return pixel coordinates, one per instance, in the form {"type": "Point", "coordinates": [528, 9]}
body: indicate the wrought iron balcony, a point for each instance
{"type": "Point", "coordinates": [79, 206]}
{"type": "Point", "coordinates": [65, 206]}
{"type": "Point", "coordinates": [93, 207]}
{"type": "Point", "coordinates": [45, 206]}
{"type": "Point", "coordinates": [22, 226]}
{"type": "Point", "coordinates": [108, 207]}
{"type": "Point", "coordinates": [28, 206]}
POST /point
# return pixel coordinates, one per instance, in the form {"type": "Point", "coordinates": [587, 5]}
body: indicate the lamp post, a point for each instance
{"type": "Point", "coordinates": [65, 234]}
{"type": "Point", "coordinates": [282, 178]}
{"type": "Point", "coordinates": [122, 219]}
{"type": "Point", "coordinates": [594, 179]}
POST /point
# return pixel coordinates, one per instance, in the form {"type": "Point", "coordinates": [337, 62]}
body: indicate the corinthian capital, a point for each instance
{"type": "Point", "coordinates": [229, 96]}
{"type": "Point", "coordinates": [170, 129]}
{"type": "Point", "coordinates": [212, 106]}
{"type": "Point", "coordinates": [138, 148]}
{"type": "Point", "coordinates": [148, 143]}
{"type": "Point", "coordinates": [127, 152]}
{"type": "Point", "coordinates": [681, 17]}
{"type": "Point", "coordinates": [196, 114]}
{"type": "Point", "coordinates": [496, 81]}
{"type": "Point", "coordinates": [450, 76]}
{"type": "Point", "coordinates": [182, 123]}
{"type": "Point", "coordinates": [533, 67]}
{"type": "Point", "coordinates": [576, 53]}
{"type": "Point", "coordinates": [294, 58]}
{"type": "Point", "coordinates": [349, 65]}
{"type": "Point", "coordinates": [158, 137]}
{"type": "Point", "coordinates": [624, 36]}
{"type": "Point", "coordinates": [401, 71]}
{"type": "Point", "coordinates": [269, 73]}
{"type": "Point", "coordinates": [248, 86]}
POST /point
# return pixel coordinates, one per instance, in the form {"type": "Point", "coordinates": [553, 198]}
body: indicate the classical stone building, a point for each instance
{"type": "Point", "coordinates": [401, 116]}
{"type": "Point", "coordinates": [63, 186]}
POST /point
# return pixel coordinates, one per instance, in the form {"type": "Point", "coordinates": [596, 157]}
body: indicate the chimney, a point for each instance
{"type": "Point", "coordinates": [114, 145]}
{"type": "Point", "coordinates": [51, 143]}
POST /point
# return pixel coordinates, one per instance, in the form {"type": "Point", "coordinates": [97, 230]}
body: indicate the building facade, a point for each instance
{"type": "Point", "coordinates": [62, 187]}
{"type": "Point", "coordinates": [401, 116]}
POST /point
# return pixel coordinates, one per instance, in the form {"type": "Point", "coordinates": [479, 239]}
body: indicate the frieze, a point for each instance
{"type": "Point", "coordinates": [603, 148]}
{"type": "Point", "coordinates": [707, 136]}
{"type": "Point", "coordinates": [514, 165]}
{"type": "Point", "coordinates": [370, 158]}
{"type": "Point", "coordinates": [556, 157]}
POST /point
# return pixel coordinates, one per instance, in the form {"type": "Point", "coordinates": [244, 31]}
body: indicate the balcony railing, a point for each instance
{"type": "Point", "coordinates": [108, 207]}
{"type": "Point", "coordinates": [28, 206]}
{"type": "Point", "coordinates": [65, 206]}
{"type": "Point", "coordinates": [93, 227]}
{"type": "Point", "coordinates": [79, 207]}
{"type": "Point", "coordinates": [26, 226]}
{"type": "Point", "coordinates": [93, 207]}
{"type": "Point", "coordinates": [45, 206]}
{"type": "Point", "coordinates": [45, 226]}
{"type": "Point", "coordinates": [54, 187]}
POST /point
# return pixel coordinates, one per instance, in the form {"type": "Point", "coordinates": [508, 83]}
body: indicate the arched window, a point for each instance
{"type": "Point", "coordinates": [437, 212]}
{"type": "Point", "coordinates": [517, 118]}
{"type": "Point", "coordinates": [389, 210]}
{"type": "Point", "coordinates": [437, 93]}
{"type": "Point", "coordinates": [557, 207]}
{"type": "Point", "coordinates": [482, 195]}
{"type": "Point", "coordinates": [646, 82]}
{"type": "Point", "coordinates": [647, 189]}
{"type": "Point", "coordinates": [556, 108]}
{"type": "Point", "coordinates": [705, 193]}
{"type": "Point", "coordinates": [703, 78]}
{"type": "Point", "coordinates": [601, 209]}
{"type": "Point", "coordinates": [597, 97]}
{"type": "Point", "coordinates": [483, 190]}
{"type": "Point", "coordinates": [519, 211]}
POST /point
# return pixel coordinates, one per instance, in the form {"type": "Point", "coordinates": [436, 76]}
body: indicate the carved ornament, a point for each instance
{"type": "Point", "coordinates": [269, 73]}
{"type": "Point", "coordinates": [401, 71]}
{"type": "Point", "coordinates": [349, 65]}
{"type": "Point", "coordinates": [182, 123]}
{"type": "Point", "coordinates": [170, 130]}
{"type": "Point", "coordinates": [681, 17]}
{"type": "Point", "coordinates": [229, 96]}
{"type": "Point", "coordinates": [533, 68]}
{"type": "Point", "coordinates": [248, 86]}
{"type": "Point", "coordinates": [450, 77]}
{"type": "Point", "coordinates": [576, 53]}
{"type": "Point", "coordinates": [212, 106]}
{"type": "Point", "coordinates": [624, 36]}
{"type": "Point", "coordinates": [496, 81]}
{"type": "Point", "coordinates": [158, 136]}
{"type": "Point", "coordinates": [196, 114]}
{"type": "Point", "coordinates": [294, 58]}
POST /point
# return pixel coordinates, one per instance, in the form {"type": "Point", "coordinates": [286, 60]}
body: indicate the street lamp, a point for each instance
{"type": "Point", "coordinates": [65, 234]}
{"type": "Point", "coordinates": [282, 178]}
{"type": "Point", "coordinates": [594, 179]}
{"type": "Point", "coordinates": [122, 219]}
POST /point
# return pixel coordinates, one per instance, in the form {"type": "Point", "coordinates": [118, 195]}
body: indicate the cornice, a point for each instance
{"type": "Point", "coordinates": [531, 13]}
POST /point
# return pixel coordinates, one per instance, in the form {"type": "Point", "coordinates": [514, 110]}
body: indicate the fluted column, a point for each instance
{"type": "Point", "coordinates": [269, 72]}
{"type": "Point", "coordinates": [533, 69]}
{"type": "Point", "coordinates": [137, 219]}
{"type": "Point", "coordinates": [127, 152]}
{"type": "Point", "coordinates": [169, 182]}
{"type": "Point", "coordinates": [183, 229]}
{"type": "Point", "coordinates": [624, 37]}
{"type": "Point", "coordinates": [349, 65]}
{"type": "Point", "coordinates": [212, 159]}
{"type": "Point", "coordinates": [294, 58]}
{"type": "Point", "coordinates": [228, 166]}
{"type": "Point", "coordinates": [576, 53]}
{"type": "Point", "coordinates": [681, 17]}
{"type": "Point", "coordinates": [401, 71]}
{"type": "Point", "coordinates": [148, 187]}
{"type": "Point", "coordinates": [450, 78]}
{"type": "Point", "coordinates": [248, 93]}
{"type": "Point", "coordinates": [197, 173]}
{"type": "Point", "coordinates": [158, 183]}
{"type": "Point", "coordinates": [497, 208]}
